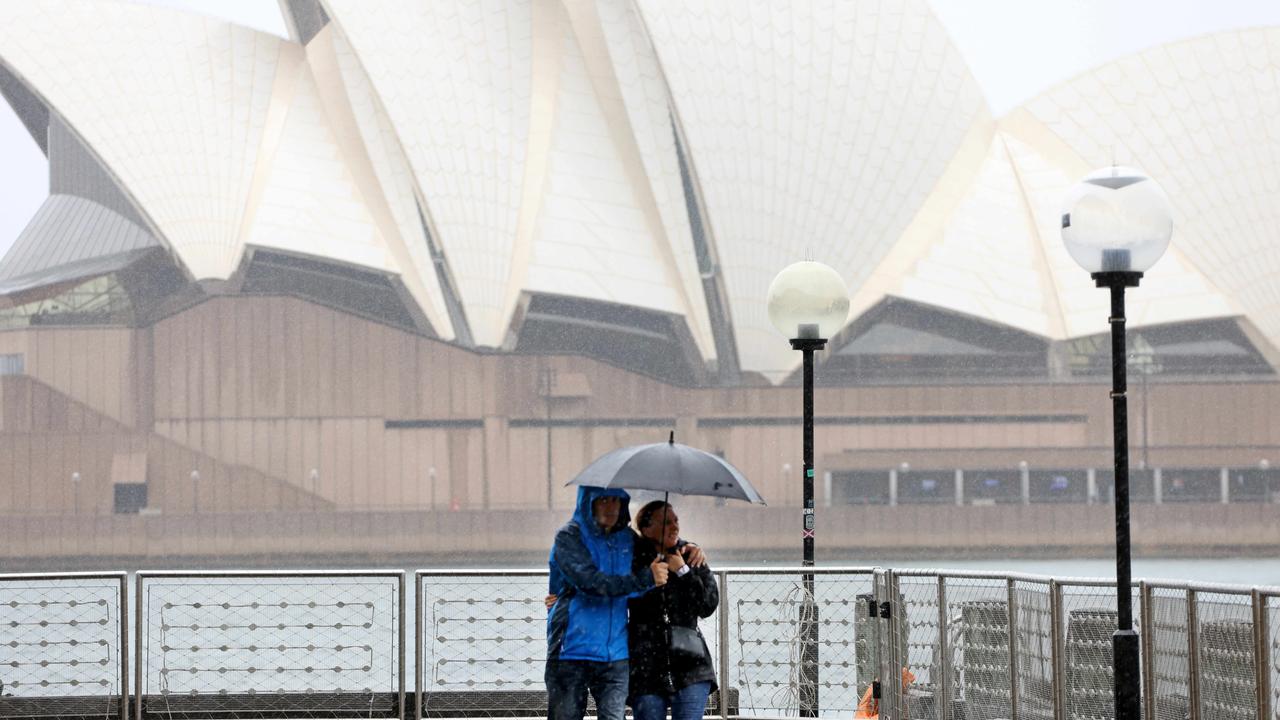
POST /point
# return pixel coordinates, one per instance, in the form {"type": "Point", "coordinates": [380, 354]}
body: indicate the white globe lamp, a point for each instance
{"type": "Point", "coordinates": [808, 300]}
{"type": "Point", "coordinates": [1117, 219]}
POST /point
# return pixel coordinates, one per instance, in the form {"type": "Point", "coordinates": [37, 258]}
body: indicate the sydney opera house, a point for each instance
{"type": "Point", "coordinates": [420, 261]}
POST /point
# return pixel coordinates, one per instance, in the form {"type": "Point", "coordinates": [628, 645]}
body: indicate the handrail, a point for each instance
{"type": "Point", "coordinates": [1021, 639]}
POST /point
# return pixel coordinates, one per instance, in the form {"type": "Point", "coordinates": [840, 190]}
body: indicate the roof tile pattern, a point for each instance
{"type": "Point", "coordinates": [1199, 116]}
{"type": "Point", "coordinates": [310, 203]}
{"type": "Point", "coordinates": [644, 93]}
{"type": "Point", "coordinates": [539, 138]}
{"type": "Point", "coordinates": [174, 103]}
{"type": "Point", "coordinates": [987, 260]}
{"type": "Point", "coordinates": [454, 79]}
{"type": "Point", "coordinates": [816, 129]}
{"type": "Point", "coordinates": [593, 239]}
{"type": "Point", "coordinates": [394, 177]}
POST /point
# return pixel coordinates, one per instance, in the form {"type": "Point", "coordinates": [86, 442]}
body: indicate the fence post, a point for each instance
{"type": "Point", "coordinates": [1057, 662]}
{"type": "Point", "coordinates": [418, 579]}
{"type": "Point", "coordinates": [138, 669]}
{"type": "Point", "coordinates": [885, 645]}
{"type": "Point", "coordinates": [723, 643]}
{"type": "Point", "coordinates": [401, 650]}
{"type": "Point", "coordinates": [1146, 626]}
{"type": "Point", "coordinates": [895, 688]}
{"type": "Point", "coordinates": [944, 701]}
{"type": "Point", "coordinates": [1261, 657]}
{"type": "Point", "coordinates": [1012, 615]}
{"type": "Point", "coordinates": [124, 645]}
{"type": "Point", "coordinates": [1193, 656]}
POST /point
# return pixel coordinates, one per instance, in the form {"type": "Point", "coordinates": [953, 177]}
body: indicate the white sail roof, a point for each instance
{"type": "Point", "coordinates": [454, 78]}
{"type": "Point", "coordinates": [816, 129]}
{"type": "Point", "coordinates": [175, 104]}
{"type": "Point", "coordinates": [653, 154]}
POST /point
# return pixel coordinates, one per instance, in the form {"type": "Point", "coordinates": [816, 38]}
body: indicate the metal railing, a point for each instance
{"type": "Point", "coordinates": [64, 645]}
{"type": "Point", "coordinates": [270, 644]}
{"type": "Point", "coordinates": [939, 645]}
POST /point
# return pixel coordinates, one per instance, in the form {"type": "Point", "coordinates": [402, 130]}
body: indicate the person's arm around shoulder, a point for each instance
{"type": "Point", "coordinates": [697, 584]}
{"type": "Point", "coordinates": [574, 560]}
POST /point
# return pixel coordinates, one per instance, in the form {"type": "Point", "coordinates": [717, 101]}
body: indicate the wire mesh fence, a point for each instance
{"type": "Point", "coordinates": [765, 651]}
{"type": "Point", "coordinates": [1033, 603]}
{"type": "Point", "coordinates": [481, 643]}
{"type": "Point", "coordinates": [1226, 670]}
{"type": "Point", "coordinates": [63, 645]}
{"type": "Point", "coordinates": [270, 644]}
{"type": "Point", "coordinates": [1168, 669]}
{"type": "Point", "coordinates": [940, 645]}
{"type": "Point", "coordinates": [1090, 618]}
{"type": "Point", "coordinates": [923, 630]}
{"type": "Point", "coordinates": [978, 612]}
{"type": "Point", "coordinates": [1269, 615]}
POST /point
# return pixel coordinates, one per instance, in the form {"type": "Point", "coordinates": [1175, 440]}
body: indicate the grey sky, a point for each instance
{"type": "Point", "coordinates": [1015, 49]}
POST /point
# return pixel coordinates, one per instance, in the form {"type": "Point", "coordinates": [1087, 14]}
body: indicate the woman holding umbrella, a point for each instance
{"type": "Point", "coordinates": [670, 662]}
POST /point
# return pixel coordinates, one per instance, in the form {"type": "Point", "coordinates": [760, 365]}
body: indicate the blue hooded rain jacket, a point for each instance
{"type": "Point", "coordinates": [592, 578]}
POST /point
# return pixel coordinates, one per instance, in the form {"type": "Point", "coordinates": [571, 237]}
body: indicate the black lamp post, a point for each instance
{"type": "Point", "coordinates": [1116, 225]}
{"type": "Point", "coordinates": [808, 302]}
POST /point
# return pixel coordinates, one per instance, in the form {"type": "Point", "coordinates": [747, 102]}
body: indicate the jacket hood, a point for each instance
{"type": "Point", "coordinates": [588, 495]}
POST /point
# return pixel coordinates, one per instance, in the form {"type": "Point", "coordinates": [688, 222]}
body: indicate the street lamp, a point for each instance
{"type": "Point", "coordinates": [431, 477]}
{"type": "Point", "coordinates": [195, 491]}
{"type": "Point", "coordinates": [808, 303]}
{"type": "Point", "coordinates": [314, 477]}
{"type": "Point", "coordinates": [1116, 223]}
{"type": "Point", "coordinates": [75, 488]}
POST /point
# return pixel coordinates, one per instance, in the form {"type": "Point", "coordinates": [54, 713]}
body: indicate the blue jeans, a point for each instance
{"type": "Point", "coordinates": [569, 680]}
{"type": "Point", "coordinates": [688, 703]}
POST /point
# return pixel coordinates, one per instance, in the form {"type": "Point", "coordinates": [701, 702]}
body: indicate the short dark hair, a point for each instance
{"type": "Point", "coordinates": [644, 518]}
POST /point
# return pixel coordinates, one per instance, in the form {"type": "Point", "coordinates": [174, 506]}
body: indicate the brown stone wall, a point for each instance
{"type": "Point", "coordinates": [270, 389]}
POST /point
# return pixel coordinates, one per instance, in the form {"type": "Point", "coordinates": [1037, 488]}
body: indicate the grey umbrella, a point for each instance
{"type": "Point", "coordinates": [668, 468]}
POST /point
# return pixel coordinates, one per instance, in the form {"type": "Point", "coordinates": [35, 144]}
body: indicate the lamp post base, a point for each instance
{"type": "Point", "coordinates": [1124, 645]}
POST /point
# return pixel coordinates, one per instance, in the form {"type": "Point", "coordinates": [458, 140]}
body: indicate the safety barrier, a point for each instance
{"type": "Point", "coordinates": [932, 644]}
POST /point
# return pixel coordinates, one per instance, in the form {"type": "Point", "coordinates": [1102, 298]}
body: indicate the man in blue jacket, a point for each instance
{"type": "Point", "coordinates": [587, 627]}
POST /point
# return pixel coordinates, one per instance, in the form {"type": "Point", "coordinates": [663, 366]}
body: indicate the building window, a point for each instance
{"type": "Point", "coordinates": [860, 487]}
{"type": "Point", "coordinates": [12, 364]}
{"type": "Point", "coordinates": [1191, 485]}
{"type": "Point", "coordinates": [926, 487]}
{"type": "Point", "coordinates": [991, 487]}
{"type": "Point", "coordinates": [1070, 486]}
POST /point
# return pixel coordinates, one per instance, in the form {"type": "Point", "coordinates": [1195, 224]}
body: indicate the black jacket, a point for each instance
{"type": "Point", "coordinates": [687, 598]}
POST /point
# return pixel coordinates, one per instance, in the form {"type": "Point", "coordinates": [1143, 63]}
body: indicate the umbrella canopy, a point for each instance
{"type": "Point", "coordinates": [668, 468]}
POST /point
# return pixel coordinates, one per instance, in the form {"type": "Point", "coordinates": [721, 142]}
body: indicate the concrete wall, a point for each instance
{"type": "Point", "coordinates": [288, 407]}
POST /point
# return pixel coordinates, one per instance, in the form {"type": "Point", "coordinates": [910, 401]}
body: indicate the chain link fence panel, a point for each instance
{"type": "Point", "coordinates": [978, 624]}
{"type": "Point", "coordinates": [332, 645]}
{"type": "Point", "coordinates": [1033, 634]}
{"type": "Point", "coordinates": [1170, 667]}
{"type": "Point", "coordinates": [1225, 655]}
{"type": "Point", "coordinates": [482, 643]}
{"type": "Point", "coordinates": [1090, 619]}
{"type": "Point", "coordinates": [62, 645]}
{"type": "Point", "coordinates": [280, 644]}
{"type": "Point", "coordinates": [765, 641]}
{"type": "Point", "coordinates": [923, 626]}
